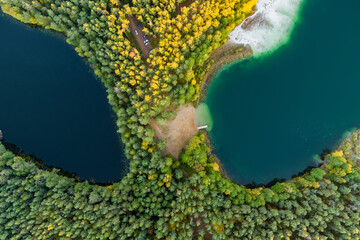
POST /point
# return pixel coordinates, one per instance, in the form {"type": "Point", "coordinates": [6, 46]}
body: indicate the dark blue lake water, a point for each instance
{"type": "Point", "coordinates": [52, 105]}
{"type": "Point", "coordinates": [271, 116]}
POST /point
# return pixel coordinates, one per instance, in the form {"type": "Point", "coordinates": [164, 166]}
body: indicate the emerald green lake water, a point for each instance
{"type": "Point", "coordinates": [272, 115]}
{"type": "Point", "coordinates": [52, 105]}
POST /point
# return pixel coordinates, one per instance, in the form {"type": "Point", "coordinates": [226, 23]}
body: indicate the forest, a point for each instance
{"type": "Point", "coordinates": [162, 197]}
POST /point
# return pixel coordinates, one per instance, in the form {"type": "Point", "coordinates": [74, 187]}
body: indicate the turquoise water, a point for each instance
{"type": "Point", "coordinates": [272, 115]}
{"type": "Point", "coordinates": [203, 116]}
{"type": "Point", "coordinates": [53, 106]}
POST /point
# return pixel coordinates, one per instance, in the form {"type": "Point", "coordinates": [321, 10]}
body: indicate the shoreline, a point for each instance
{"type": "Point", "coordinates": [231, 53]}
{"type": "Point", "coordinates": [41, 165]}
{"type": "Point", "coordinates": [228, 53]}
{"type": "Point", "coordinates": [350, 145]}
{"type": "Point", "coordinates": [208, 142]}
{"type": "Point", "coordinates": [269, 27]}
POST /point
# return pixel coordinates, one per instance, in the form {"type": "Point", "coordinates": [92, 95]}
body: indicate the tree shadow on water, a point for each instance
{"type": "Point", "coordinates": [41, 165]}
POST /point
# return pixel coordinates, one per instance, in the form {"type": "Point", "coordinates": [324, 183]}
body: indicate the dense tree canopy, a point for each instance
{"type": "Point", "coordinates": [161, 197]}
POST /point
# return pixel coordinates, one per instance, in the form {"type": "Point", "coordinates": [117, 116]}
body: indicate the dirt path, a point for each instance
{"type": "Point", "coordinates": [138, 34]}
{"type": "Point", "coordinates": [177, 132]}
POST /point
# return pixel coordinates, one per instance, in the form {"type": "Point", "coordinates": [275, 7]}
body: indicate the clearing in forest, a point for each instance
{"type": "Point", "coordinates": [141, 38]}
{"type": "Point", "coordinates": [177, 132]}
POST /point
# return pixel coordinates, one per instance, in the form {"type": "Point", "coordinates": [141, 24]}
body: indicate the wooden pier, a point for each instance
{"type": "Point", "coordinates": [202, 127]}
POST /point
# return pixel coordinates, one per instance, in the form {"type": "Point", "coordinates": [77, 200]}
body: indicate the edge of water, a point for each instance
{"type": "Point", "coordinates": [270, 27]}
{"type": "Point", "coordinates": [284, 38]}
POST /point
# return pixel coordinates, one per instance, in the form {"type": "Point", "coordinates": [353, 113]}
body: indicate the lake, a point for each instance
{"type": "Point", "coordinates": [273, 114]}
{"type": "Point", "coordinates": [52, 105]}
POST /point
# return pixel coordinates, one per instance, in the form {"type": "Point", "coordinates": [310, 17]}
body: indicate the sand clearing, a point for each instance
{"type": "Point", "coordinates": [178, 131]}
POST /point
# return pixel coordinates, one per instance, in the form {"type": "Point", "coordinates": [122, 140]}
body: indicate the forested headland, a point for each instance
{"type": "Point", "coordinates": [162, 197]}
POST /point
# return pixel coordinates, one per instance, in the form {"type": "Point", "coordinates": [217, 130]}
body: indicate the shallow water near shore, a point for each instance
{"type": "Point", "coordinates": [52, 105]}
{"type": "Point", "coordinates": [272, 115]}
{"type": "Point", "coordinates": [203, 116]}
{"type": "Point", "coordinates": [269, 27]}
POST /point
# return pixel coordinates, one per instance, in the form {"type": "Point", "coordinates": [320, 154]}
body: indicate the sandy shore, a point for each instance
{"type": "Point", "coordinates": [177, 132]}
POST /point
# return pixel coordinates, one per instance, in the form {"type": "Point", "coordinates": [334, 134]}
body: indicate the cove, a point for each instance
{"type": "Point", "coordinates": [52, 105]}
{"type": "Point", "coordinates": [273, 114]}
